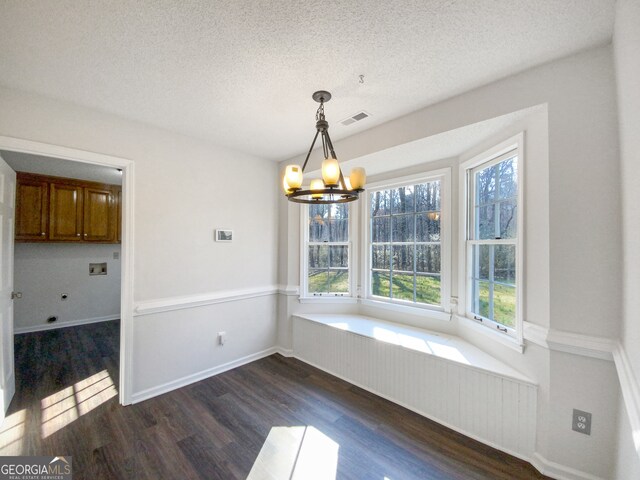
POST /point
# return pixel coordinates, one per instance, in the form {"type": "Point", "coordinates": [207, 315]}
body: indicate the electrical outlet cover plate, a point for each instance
{"type": "Point", "coordinates": [581, 422]}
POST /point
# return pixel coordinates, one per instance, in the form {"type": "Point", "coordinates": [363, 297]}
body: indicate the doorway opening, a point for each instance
{"type": "Point", "coordinates": [71, 312]}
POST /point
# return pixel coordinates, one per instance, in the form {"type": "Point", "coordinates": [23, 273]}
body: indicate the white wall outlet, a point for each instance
{"type": "Point", "coordinates": [222, 338]}
{"type": "Point", "coordinates": [581, 422]}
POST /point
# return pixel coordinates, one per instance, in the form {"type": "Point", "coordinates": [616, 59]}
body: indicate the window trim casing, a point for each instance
{"type": "Point", "coordinates": [443, 311]}
{"type": "Point", "coordinates": [486, 158]}
{"type": "Point", "coordinates": [305, 297]}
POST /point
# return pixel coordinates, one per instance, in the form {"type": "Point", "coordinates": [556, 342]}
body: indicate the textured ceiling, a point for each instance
{"type": "Point", "coordinates": [25, 162]}
{"type": "Point", "coordinates": [241, 72]}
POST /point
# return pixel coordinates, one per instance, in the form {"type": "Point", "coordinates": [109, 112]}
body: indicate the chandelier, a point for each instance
{"type": "Point", "coordinates": [333, 187]}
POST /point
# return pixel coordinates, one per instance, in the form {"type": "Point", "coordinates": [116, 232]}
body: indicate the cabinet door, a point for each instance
{"type": "Point", "coordinates": [100, 211]}
{"type": "Point", "coordinates": [32, 210]}
{"type": "Point", "coordinates": [65, 213]}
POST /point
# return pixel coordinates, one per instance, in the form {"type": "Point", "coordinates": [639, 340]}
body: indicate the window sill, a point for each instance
{"type": "Point", "coordinates": [327, 299]}
{"type": "Point", "coordinates": [431, 313]}
{"type": "Point", "coordinates": [502, 338]}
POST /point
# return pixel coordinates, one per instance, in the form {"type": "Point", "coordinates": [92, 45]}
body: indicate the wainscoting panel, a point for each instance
{"type": "Point", "coordinates": [494, 409]}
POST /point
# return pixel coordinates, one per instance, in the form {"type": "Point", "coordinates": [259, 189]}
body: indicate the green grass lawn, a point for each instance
{"type": "Point", "coordinates": [427, 288]}
{"type": "Point", "coordinates": [504, 303]}
{"type": "Point", "coordinates": [329, 282]}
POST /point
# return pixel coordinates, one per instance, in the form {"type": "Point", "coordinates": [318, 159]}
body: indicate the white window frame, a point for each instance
{"type": "Point", "coordinates": [305, 296]}
{"type": "Point", "coordinates": [441, 312]}
{"type": "Point", "coordinates": [465, 296]}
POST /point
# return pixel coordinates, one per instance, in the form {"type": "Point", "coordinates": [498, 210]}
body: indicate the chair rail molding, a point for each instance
{"type": "Point", "coordinates": [569, 342]}
{"type": "Point", "coordinates": [169, 304]}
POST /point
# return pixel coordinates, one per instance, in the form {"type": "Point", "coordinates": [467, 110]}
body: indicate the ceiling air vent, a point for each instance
{"type": "Point", "coordinates": [355, 118]}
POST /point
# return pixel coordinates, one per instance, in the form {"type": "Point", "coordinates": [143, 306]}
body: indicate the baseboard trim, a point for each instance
{"type": "Point", "coordinates": [558, 471]}
{"type": "Point", "coordinates": [196, 377]}
{"type": "Point", "coordinates": [70, 323]}
{"type": "Point", "coordinates": [630, 391]}
{"type": "Point", "coordinates": [285, 352]}
{"type": "Point", "coordinates": [191, 301]}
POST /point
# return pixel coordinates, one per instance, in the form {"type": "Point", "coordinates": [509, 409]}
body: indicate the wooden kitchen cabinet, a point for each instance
{"type": "Point", "coordinates": [53, 209]}
{"type": "Point", "coordinates": [100, 211]}
{"type": "Point", "coordinates": [65, 212]}
{"type": "Point", "coordinates": [32, 209]}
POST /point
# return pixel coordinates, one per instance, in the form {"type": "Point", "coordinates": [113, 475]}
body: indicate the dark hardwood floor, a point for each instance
{"type": "Point", "coordinates": [267, 416]}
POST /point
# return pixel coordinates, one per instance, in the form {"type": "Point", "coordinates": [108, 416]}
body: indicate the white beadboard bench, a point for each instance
{"type": "Point", "coordinates": [437, 375]}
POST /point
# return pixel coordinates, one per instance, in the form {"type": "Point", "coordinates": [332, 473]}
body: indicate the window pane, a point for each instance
{"type": "Point", "coordinates": [504, 305]}
{"type": "Point", "coordinates": [318, 231]}
{"type": "Point", "coordinates": [428, 227]}
{"type": "Point", "coordinates": [402, 228]}
{"type": "Point", "coordinates": [428, 289]}
{"type": "Point", "coordinates": [328, 223]}
{"type": "Point", "coordinates": [428, 196]}
{"type": "Point", "coordinates": [381, 229]}
{"type": "Point", "coordinates": [485, 185]}
{"type": "Point", "coordinates": [380, 284]}
{"type": "Point", "coordinates": [403, 257]}
{"type": "Point", "coordinates": [481, 295]}
{"type": "Point", "coordinates": [380, 203]}
{"type": "Point", "coordinates": [402, 200]}
{"type": "Point", "coordinates": [508, 219]}
{"type": "Point", "coordinates": [402, 287]}
{"type": "Point", "coordinates": [505, 264]}
{"type": "Point", "coordinates": [508, 178]}
{"type": "Point", "coordinates": [380, 257]}
{"type": "Point", "coordinates": [318, 281]}
{"type": "Point", "coordinates": [428, 258]}
{"type": "Point", "coordinates": [338, 281]}
{"type": "Point", "coordinates": [318, 256]}
{"type": "Point", "coordinates": [339, 256]}
{"type": "Point", "coordinates": [485, 222]}
{"type": "Point", "coordinates": [481, 261]}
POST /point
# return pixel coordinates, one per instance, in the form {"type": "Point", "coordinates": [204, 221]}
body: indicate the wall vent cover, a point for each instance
{"type": "Point", "coordinates": [355, 118]}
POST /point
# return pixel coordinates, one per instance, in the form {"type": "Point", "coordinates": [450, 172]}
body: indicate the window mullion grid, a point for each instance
{"type": "Point", "coordinates": [390, 250]}
{"type": "Point", "coordinates": [491, 279]}
{"type": "Point", "coordinates": [415, 246]}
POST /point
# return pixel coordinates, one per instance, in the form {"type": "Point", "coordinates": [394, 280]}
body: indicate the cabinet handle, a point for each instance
{"type": "Point", "coordinates": [84, 234]}
{"type": "Point", "coordinates": [77, 234]}
{"type": "Point", "coordinates": [42, 234]}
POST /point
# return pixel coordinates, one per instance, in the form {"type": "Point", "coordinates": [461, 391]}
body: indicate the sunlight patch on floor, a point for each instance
{"type": "Point", "coordinates": [65, 406]}
{"type": "Point", "coordinates": [301, 452]}
{"type": "Point", "coordinates": [12, 434]}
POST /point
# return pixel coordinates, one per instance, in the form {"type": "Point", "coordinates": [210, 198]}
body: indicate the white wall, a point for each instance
{"type": "Point", "coordinates": [568, 238]}
{"type": "Point", "coordinates": [184, 189]}
{"type": "Point", "coordinates": [626, 43]}
{"type": "Point", "coordinates": [43, 271]}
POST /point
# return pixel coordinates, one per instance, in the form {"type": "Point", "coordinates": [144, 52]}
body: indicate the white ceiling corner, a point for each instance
{"type": "Point", "coordinates": [240, 73]}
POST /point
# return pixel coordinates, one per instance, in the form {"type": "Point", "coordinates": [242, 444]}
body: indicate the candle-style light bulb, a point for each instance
{"type": "Point", "coordinates": [358, 178]}
{"type": "Point", "coordinates": [316, 184]}
{"type": "Point", "coordinates": [330, 172]}
{"type": "Point", "coordinates": [293, 174]}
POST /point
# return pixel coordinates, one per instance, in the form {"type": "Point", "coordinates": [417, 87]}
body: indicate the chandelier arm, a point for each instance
{"type": "Point", "coordinates": [310, 149]}
{"type": "Point", "coordinates": [325, 151]}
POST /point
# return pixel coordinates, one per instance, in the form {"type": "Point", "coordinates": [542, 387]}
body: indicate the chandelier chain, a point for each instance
{"type": "Point", "coordinates": [320, 112]}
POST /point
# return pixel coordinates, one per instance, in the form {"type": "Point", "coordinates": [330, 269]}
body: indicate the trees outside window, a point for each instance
{"type": "Point", "coordinates": [405, 243]}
